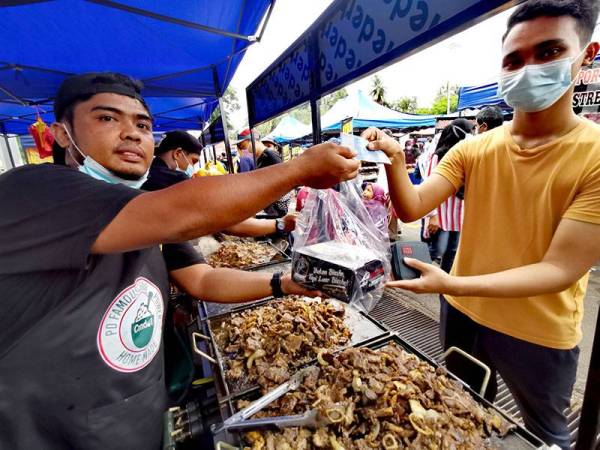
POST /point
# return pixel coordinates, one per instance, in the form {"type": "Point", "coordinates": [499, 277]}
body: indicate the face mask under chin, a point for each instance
{"type": "Point", "coordinates": [96, 170]}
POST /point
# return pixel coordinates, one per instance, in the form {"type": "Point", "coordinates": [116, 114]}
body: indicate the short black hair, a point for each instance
{"type": "Point", "coordinates": [585, 13]}
{"type": "Point", "coordinates": [80, 88]}
{"type": "Point", "coordinates": [179, 139]}
{"type": "Point", "coordinates": [490, 115]}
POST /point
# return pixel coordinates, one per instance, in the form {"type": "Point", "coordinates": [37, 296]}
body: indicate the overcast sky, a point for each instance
{"type": "Point", "coordinates": [468, 58]}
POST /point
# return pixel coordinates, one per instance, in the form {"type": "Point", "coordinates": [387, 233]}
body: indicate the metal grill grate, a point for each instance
{"type": "Point", "coordinates": [422, 331]}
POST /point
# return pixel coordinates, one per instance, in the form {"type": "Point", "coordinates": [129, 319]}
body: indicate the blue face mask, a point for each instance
{"type": "Point", "coordinates": [96, 170]}
{"type": "Point", "coordinates": [189, 170]}
{"type": "Point", "coordinates": [537, 87]}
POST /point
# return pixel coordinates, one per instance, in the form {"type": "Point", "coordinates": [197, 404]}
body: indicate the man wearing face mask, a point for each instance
{"type": "Point", "coordinates": [83, 283]}
{"type": "Point", "coordinates": [531, 229]}
{"type": "Point", "coordinates": [174, 160]}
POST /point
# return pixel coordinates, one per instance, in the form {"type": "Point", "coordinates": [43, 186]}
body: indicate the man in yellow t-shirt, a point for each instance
{"type": "Point", "coordinates": [531, 229]}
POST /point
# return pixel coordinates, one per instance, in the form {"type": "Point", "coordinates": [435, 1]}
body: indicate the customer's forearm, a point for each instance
{"type": "Point", "coordinates": [527, 281]}
{"type": "Point", "coordinates": [405, 198]}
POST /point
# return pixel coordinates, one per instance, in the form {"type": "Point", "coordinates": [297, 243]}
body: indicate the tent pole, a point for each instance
{"type": "Point", "coordinates": [10, 156]}
{"type": "Point", "coordinates": [589, 424]}
{"type": "Point", "coordinates": [253, 142]}
{"type": "Point", "coordinates": [315, 91]}
{"type": "Point", "coordinates": [226, 135]}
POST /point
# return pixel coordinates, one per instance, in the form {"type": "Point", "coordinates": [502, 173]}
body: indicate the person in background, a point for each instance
{"type": "Point", "coordinates": [178, 148]}
{"type": "Point", "coordinates": [409, 154]}
{"type": "Point", "coordinates": [174, 160]}
{"type": "Point", "coordinates": [374, 199]}
{"type": "Point", "coordinates": [223, 160]}
{"type": "Point", "coordinates": [429, 230]}
{"type": "Point", "coordinates": [265, 157]}
{"type": "Point", "coordinates": [245, 161]}
{"type": "Point", "coordinates": [449, 217]}
{"type": "Point", "coordinates": [531, 233]}
{"type": "Point", "coordinates": [272, 145]}
{"type": "Point", "coordinates": [81, 348]}
{"type": "Point", "coordinates": [489, 118]}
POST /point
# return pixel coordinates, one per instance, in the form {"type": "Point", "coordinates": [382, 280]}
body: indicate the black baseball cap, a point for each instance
{"type": "Point", "coordinates": [79, 88]}
{"type": "Point", "coordinates": [176, 139]}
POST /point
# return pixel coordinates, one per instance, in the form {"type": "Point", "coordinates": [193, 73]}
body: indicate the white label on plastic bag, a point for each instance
{"type": "Point", "coordinates": [359, 145]}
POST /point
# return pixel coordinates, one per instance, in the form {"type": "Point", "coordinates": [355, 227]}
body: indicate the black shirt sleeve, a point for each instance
{"type": "Point", "coordinates": [178, 256]}
{"type": "Point", "coordinates": [52, 215]}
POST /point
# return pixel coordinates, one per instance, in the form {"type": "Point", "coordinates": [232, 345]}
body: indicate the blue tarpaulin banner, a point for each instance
{"type": "Point", "coordinates": [353, 38]}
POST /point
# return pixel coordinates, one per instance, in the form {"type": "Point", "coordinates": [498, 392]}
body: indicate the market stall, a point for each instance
{"type": "Point", "coordinates": [189, 55]}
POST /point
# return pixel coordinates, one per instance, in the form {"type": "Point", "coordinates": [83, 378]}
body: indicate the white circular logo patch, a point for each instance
{"type": "Point", "coordinates": [130, 333]}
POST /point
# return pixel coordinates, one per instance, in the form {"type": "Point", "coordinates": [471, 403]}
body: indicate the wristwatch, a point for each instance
{"type": "Point", "coordinates": [279, 225]}
{"type": "Point", "coordinates": [276, 285]}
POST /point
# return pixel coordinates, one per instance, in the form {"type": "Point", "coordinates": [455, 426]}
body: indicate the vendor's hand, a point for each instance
{"type": "Point", "coordinates": [325, 165]}
{"type": "Point", "coordinates": [289, 222]}
{"type": "Point", "coordinates": [433, 279]}
{"type": "Point", "coordinates": [434, 225]}
{"type": "Point", "coordinates": [378, 140]}
{"type": "Point", "coordinates": [290, 287]}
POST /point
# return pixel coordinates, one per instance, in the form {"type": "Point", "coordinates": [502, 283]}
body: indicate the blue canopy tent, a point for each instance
{"type": "Point", "coordinates": [186, 53]}
{"type": "Point", "coordinates": [289, 129]}
{"type": "Point", "coordinates": [476, 97]}
{"type": "Point", "coordinates": [365, 112]}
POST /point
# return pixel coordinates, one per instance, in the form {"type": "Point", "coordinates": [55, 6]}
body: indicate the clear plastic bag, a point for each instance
{"type": "Point", "coordinates": [338, 249]}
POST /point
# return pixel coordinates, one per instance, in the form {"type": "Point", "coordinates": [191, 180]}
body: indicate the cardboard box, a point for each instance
{"type": "Point", "coordinates": [337, 269]}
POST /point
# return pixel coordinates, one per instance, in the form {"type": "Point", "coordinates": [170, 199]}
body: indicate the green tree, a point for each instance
{"type": "Point", "coordinates": [231, 102]}
{"type": "Point", "coordinates": [328, 101]}
{"type": "Point", "coordinates": [405, 104]}
{"type": "Point", "coordinates": [378, 91]}
{"type": "Point", "coordinates": [440, 102]}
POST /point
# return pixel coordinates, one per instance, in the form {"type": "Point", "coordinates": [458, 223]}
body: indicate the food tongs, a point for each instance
{"type": "Point", "coordinates": [240, 420]}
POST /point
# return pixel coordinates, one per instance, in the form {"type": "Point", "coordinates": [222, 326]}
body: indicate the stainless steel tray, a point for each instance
{"type": "Point", "coordinates": [364, 329]}
{"type": "Point", "coordinates": [518, 439]}
{"type": "Point", "coordinates": [278, 258]}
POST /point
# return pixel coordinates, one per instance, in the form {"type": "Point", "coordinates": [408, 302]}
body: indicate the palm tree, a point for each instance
{"type": "Point", "coordinates": [378, 91]}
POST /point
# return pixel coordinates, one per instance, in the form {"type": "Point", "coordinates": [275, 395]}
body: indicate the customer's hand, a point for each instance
{"type": "Point", "coordinates": [290, 287]}
{"type": "Point", "coordinates": [434, 225]}
{"type": "Point", "coordinates": [378, 140]}
{"type": "Point", "coordinates": [433, 280]}
{"type": "Point", "coordinates": [324, 165]}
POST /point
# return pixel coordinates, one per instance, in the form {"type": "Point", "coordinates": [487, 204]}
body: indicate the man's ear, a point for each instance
{"type": "Point", "coordinates": [590, 53]}
{"type": "Point", "coordinates": [60, 135]}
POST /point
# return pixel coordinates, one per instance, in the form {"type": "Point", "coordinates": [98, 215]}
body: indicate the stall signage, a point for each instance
{"type": "Point", "coordinates": [586, 97]}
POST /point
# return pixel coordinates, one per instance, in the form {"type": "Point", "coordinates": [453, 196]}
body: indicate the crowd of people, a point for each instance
{"type": "Point", "coordinates": [91, 247]}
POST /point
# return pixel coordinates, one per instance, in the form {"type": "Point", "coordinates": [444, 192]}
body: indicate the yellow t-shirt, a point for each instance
{"type": "Point", "coordinates": [514, 201]}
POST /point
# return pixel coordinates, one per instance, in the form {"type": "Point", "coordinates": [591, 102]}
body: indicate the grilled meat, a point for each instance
{"type": "Point", "coordinates": [386, 398]}
{"type": "Point", "coordinates": [264, 343]}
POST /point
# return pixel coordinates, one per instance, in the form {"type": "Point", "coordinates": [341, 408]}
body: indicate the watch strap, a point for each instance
{"type": "Point", "coordinates": [276, 285]}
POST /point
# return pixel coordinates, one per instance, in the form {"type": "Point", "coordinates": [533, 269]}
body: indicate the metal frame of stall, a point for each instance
{"type": "Point", "coordinates": [322, 60]}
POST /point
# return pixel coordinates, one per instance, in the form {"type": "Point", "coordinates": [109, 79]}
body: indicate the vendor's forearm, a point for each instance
{"type": "Point", "coordinates": [531, 280]}
{"type": "Point", "coordinates": [253, 228]}
{"type": "Point", "coordinates": [234, 286]}
{"type": "Point", "coordinates": [196, 207]}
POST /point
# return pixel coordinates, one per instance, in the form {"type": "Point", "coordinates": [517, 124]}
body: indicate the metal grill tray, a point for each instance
{"type": "Point", "coordinates": [518, 439]}
{"type": "Point", "coordinates": [364, 329]}
{"type": "Point", "coordinates": [278, 258]}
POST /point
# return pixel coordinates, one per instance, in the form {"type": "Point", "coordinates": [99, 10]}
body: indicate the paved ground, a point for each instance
{"type": "Point", "coordinates": [430, 305]}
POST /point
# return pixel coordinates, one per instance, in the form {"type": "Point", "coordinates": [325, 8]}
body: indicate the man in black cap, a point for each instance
{"type": "Point", "coordinates": [83, 283]}
{"type": "Point", "coordinates": [174, 160]}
